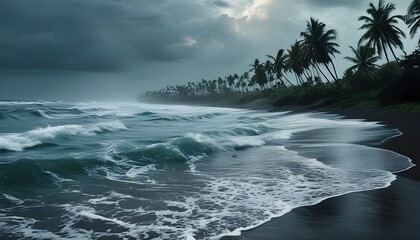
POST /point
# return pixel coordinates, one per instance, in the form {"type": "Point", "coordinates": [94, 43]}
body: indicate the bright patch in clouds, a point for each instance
{"type": "Point", "coordinates": [190, 41]}
{"type": "Point", "coordinates": [249, 9]}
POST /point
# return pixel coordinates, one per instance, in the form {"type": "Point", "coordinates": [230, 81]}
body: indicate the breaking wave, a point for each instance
{"type": "Point", "coordinates": [20, 141]}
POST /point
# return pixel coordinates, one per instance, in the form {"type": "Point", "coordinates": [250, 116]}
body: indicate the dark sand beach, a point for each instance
{"type": "Point", "coordinates": [390, 213]}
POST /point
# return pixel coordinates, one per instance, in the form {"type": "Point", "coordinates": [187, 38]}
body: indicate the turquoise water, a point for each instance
{"type": "Point", "coordinates": [143, 171]}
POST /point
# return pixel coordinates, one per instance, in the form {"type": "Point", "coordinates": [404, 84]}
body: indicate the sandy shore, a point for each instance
{"type": "Point", "coordinates": [390, 213]}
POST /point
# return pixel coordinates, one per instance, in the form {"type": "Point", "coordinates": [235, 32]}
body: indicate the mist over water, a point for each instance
{"type": "Point", "coordinates": [142, 171]}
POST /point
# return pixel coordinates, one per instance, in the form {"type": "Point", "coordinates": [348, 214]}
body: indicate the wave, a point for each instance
{"type": "Point", "coordinates": [47, 173]}
{"type": "Point", "coordinates": [21, 141]}
{"type": "Point", "coordinates": [43, 114]}
{"type": "Point", "coordinates": [24, 113]}
{"type": "Point", "coordinates": [24, 172]}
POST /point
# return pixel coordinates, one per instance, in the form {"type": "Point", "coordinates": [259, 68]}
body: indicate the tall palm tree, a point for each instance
{"type": "Point", "coordinates": [321, 46]}
{"type": "Point", "coordinates": [296, 60]}
{"type": "Point", "coordinates": [413, 17]}
{"type": "Point", "coordinates": [364, 59]}
{"type": "Point", "coordinates": [381, 31]}
{"type": "Point", "coordinates": [279, 66]}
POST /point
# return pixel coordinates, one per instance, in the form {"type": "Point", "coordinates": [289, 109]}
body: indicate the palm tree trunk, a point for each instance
{"type": "Point", "coordinates": [317, 72]}
{"type": "Point", "coordinates": [305, 74]}
{"type": "Point", "coordinates": [392, 51]}
{"type": "Point", "coordinates": [386, 54]}
{"type": "Point", "coordinates": [319, 69]}
{"type": "Point", "coordinates": [335, 79]}
{"type": "Point", "coordinates": [335, 70]}
{"type": "Point", "coordinates": [297, 79]}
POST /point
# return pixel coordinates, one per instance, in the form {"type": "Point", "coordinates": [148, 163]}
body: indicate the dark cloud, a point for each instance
{"type": "Point", "coordinates": [95, 35]}
{"type": "Point", "coordinates": [69, 35]}
{"type": "Point", "coordinates": [221, 3]}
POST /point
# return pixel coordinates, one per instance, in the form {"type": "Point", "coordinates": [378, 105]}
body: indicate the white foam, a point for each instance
{"type": "Point", "coordinates": [96, 216]}
{"type": "Point", "coordinates": [111, 199]}
{"type": "Point", "coordinates": [135, 171]}
{"type": "Point", "coordinates": [57, 178]}
{"type": "Point", "coordinates": [20, 141]}
{"type": "Point", "coordinates": [12, 199]}
{"type": "Point", "coordinates": [25, 227]}
{"type": "Point", "coordinates": [42, 113]}
{"type": "Point", "coordinates": [246, 141]}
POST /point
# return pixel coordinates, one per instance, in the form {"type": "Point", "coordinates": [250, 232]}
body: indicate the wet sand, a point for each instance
{"type": "Point", "coordinates": [386, 214]}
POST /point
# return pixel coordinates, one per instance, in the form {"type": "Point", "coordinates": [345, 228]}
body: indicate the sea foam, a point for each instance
{"type": "Point", "coordinates": [20, 141]}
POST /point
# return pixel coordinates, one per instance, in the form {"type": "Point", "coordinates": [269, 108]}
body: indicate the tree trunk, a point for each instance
{"type": "Point", "coordinates": [386, 54]}
{"type": "Point", "coordinates": [319, 69]}
{"type": "Point", "coordinates": [335, 79]}
{"type": "Point", "coordinates": [335, 71]}
{"type": "Point", "coordinates": [392, 51]}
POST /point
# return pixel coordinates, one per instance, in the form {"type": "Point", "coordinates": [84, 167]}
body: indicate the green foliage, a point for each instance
{"type": "Point", "coordinates": [412, 60]}
{"type": "Point", "coordinates": [362, 80]}
{"type": "Point", "coordinates": [404, 88]}
{"type": "Point", "coordinates": [387, 74]}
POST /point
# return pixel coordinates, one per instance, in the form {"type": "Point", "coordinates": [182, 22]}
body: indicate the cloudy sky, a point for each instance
{"type": "Point", "coordinates": [114, 49]}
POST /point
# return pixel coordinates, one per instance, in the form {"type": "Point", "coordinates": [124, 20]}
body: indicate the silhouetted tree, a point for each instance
{"type": "Point", "coordinates": [381, 30]}
{"type": "Point", "coordinates": [296, 60]}
{"type": "Point", "coordinates": [364, 59]}
{"type": "Point", "coordinates": [321, 46]}
{"type": "Point", "coordinates": [413, 17]}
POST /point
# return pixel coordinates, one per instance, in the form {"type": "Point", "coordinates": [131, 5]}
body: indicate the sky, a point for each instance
{"type": "Point", "coordinates": [114, 49]}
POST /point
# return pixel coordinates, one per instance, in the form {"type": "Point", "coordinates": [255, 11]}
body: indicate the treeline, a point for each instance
{"type": "Point", "coordinates": [306, 74]}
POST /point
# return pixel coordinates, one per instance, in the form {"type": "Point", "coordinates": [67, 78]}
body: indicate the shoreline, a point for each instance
{"type": "Point", "coordinates": [359, 215]}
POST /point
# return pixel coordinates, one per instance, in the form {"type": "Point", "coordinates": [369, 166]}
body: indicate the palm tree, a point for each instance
{"type": "Point", "coordinates": [413, 17]}
{"type": "Point", "coordinates": [231, 81]}
{"type": "Point", "coordinates": [381, 31]}
{"type": "Point", "coordinates": [279, 66]}
{"type": "Point", "coordinates": [364, 59]}
{"type": "Point", "coordinates": [254, 65]}
{"type": "Point", "coordinates": [321, 46]}
{"type": "Point", "coordinates": [296, 60]}
{"type": "Point", "coordinates": [269, 69]}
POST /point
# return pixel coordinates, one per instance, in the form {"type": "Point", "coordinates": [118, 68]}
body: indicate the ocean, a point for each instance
{"type": "Point", "coordinates": [74, 170]}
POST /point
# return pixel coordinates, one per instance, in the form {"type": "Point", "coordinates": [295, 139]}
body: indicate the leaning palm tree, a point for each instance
{"type": "Point", "coordinates": [296, 60]}
{"type": "Point", "coordinates": [261, 77]}
{"type": "Point", "coordinates": [321, 46]}
{"type": "Point", "coordinates": [279, 66]}
{"type": "Point", "coordinates": [413, 17]}
{"type": "Point", "coordinates": [364, 59]}
{"type": "Point", "coordinates": [381, 30]}
{"type": "Point", "coordinates": [254, 65]}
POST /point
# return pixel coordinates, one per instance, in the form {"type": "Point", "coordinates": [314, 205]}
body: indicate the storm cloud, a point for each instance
{"type": "Point", "coordinates": [129, 46]}
{"type": "Point", "coordinates": [221, 3]}
{"type": "Point", "coordinates": [95, 35]}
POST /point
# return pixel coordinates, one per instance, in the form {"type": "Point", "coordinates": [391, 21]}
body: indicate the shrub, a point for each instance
{"type": "Point", "coordinates": [402, 90]}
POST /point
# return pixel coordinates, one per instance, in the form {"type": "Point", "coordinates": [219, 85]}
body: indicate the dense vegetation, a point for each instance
{"type": "Point", "coordinates": [305, 73]}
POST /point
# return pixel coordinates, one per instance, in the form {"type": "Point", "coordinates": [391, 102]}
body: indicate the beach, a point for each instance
{"type": "Point", "coordinates": [389, 213]}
